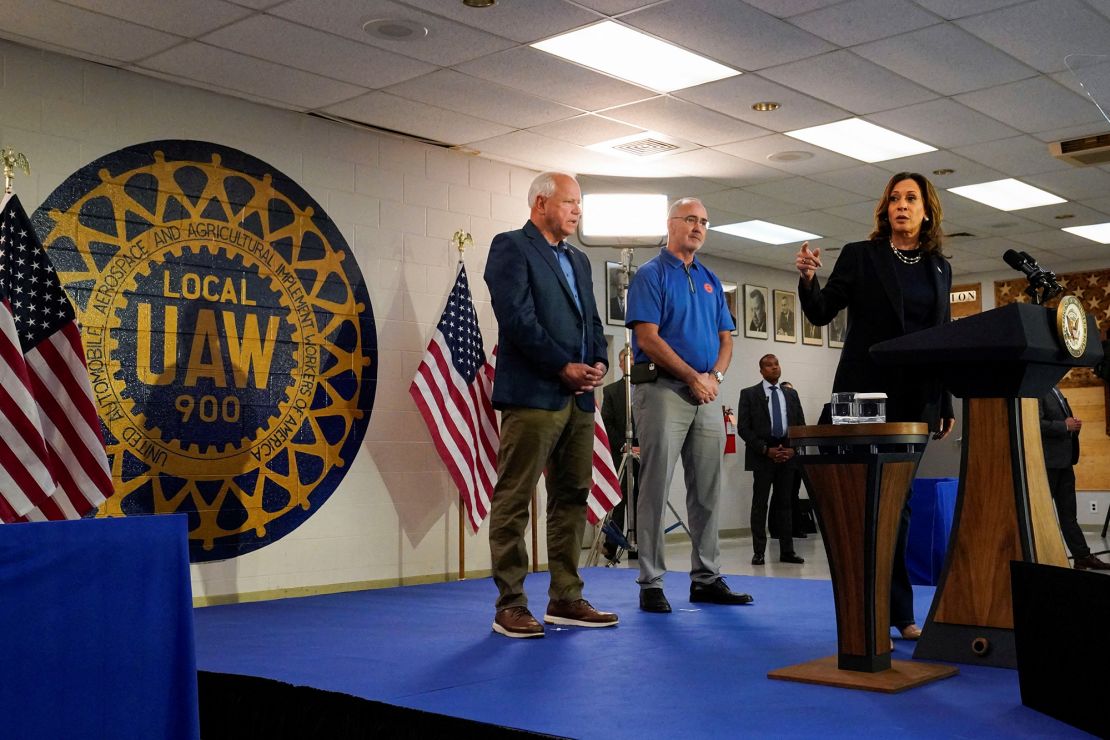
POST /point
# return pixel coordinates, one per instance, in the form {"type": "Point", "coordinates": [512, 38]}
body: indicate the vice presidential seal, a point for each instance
{"type": "Point", "coordinates": [228, 332]}
{"type": "Point", "coordinates": [1071, 325]}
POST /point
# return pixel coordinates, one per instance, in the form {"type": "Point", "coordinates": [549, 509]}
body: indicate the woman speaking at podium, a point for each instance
{"type": "Point", "coordinates": [895, 283]}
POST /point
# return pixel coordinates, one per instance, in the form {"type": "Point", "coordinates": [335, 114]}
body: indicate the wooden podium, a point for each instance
{"type": "Point", "coordinates": [999, 362]}
{"type": "Point", "coordinates": [859, 476]}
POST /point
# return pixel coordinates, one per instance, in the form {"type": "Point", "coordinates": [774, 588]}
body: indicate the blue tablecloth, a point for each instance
{"type": "Point", "coordinates": [97, 624]}
{"type": "Point", "coordinates": [932, 505]}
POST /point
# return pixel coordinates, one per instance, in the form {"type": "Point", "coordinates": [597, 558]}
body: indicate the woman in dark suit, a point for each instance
{"type": "Point", "coordinates": [895, 283]}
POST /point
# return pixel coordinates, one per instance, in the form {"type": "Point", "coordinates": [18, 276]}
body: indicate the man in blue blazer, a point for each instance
{"type": "Point", "coordinates": [551, 356]}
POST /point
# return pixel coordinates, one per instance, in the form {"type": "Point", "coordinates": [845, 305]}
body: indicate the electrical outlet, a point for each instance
{"type": "Point", "coordinates": [1094, 506]}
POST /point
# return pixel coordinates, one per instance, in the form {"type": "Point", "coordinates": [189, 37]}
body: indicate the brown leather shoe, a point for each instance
{"type": "Point", "coordinates": [1091, 562]}
{"type": "Point", "coordinates": [911, 632]}
{"type": "Point", "coordinates": [578, 613]}
{"type": "Point", "coordinates": [517, 621]}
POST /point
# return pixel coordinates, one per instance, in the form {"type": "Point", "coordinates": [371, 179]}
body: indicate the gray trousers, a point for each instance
{"type": "Point", "coordinates": [669, 424]}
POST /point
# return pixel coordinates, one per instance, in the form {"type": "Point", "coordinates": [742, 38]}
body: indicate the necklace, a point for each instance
{"type": "Point", "coordinates": [905, 258]}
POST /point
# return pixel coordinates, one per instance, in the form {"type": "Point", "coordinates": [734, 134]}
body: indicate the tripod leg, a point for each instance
{"type": "Point", "coordinates": [678, 523]}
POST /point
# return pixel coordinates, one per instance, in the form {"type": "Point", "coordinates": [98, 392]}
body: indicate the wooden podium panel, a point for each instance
{"type": "Point", "coordinates": [858, 476]}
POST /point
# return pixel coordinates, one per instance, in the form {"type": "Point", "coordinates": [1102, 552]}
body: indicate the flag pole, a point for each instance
{"type": "Point", "coordinates": [462, 239]}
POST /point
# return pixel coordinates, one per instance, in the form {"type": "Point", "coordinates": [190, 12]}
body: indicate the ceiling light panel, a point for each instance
{"type": "Point", "coordinates": [1095, 232]}
{"type": "Point", "coordinates": [856, 138]}
{"type": "Point", "coordinates": [1007, 195]}
{"type": "Point", "coordinates": [636, 57]}
{"type": "Point", "coordinates": [765, 231]}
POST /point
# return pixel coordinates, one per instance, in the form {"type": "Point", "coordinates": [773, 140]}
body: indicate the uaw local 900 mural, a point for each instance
{"type": "Point", "coordinates": [229, 337]}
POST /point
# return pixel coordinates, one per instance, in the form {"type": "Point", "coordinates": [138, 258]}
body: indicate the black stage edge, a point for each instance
{"type": "Point", "coordinates": [1061, 617]}
{"type": "Point", "coordinates": [237, 707]}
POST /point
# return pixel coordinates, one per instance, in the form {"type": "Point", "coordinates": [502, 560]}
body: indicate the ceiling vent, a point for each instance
{"type": "Point", "coordinates": [646, 147]}
{"type": "Point", "coordinates": [1085, 151]}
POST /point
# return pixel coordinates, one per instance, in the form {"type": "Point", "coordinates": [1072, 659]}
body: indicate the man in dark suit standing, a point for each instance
{"type": "Point", "coordinates": [766, 410]}
{"type": "Point", "coordinates": [1060, 439]}
{"type": "Point", "coordinates": [551, 356]}
{"type": "Point", "coordinates": [614, 414]}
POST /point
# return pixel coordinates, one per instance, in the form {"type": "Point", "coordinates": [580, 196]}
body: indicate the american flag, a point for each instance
{"type": "Point", "coordinates": [452, 388]}
{"type": "Point", "coordinates": [606, 490]}
{"type": "Point", "coordinates": [52, 460]}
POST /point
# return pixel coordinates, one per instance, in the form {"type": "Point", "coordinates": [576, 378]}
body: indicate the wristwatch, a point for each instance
{"type": "Point", "coordinates": [719, 376]}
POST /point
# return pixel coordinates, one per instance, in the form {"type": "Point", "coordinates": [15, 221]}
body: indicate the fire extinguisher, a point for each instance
{"type": "Point", "coordinates": [730, 430]}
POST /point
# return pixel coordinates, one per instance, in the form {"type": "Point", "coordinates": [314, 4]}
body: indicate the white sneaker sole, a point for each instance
{"type": "Point", "coordinates": [515, 635]}
{"type": "Point", "coordinates": [548, 619]}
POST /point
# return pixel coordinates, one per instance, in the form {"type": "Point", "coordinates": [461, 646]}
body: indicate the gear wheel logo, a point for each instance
{"type": "Point", "coordinates": [228, 332]}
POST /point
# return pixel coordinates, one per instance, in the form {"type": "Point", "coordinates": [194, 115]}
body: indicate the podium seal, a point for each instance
{"type": "Point", "coordinates": [1071, 325]}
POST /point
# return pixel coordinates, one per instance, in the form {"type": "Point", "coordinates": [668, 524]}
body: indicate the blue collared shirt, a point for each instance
{"type": "Point", "coordinates": [561, 254]}
{"type": "Point", "coordinates": [686, 303]}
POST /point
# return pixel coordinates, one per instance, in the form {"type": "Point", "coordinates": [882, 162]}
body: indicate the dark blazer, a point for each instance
{"type": "Point", "coordinates": [864, 282]}
{"type": "Point", "coordinates": [539, 328]}
{"type": "Point", "coordinates": [1061, 447]}
{"type": "Point", "coordinates": [754, 423]}
{"type": "Point", "coordinates": [613, 410]}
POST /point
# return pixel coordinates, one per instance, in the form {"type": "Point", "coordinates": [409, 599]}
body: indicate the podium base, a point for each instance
{"type": "Point", "coordinates": [959, 643]}
{"type": "Point", "coordinates": [902, 675]}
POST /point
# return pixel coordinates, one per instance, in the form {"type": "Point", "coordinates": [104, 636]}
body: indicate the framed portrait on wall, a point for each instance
{"type": "Point", "coordinates": [786, 323]}
{"type": "Point", "coordinates": [811, 333]}
{"type": "Point", "coordinates": [614, 313]}
{"type": "Point", "coordinates": [730, 301]}
{"type": "Point", "coordinates": [755, 312]}
{"type": "Point", "coordinates": [836, 330]}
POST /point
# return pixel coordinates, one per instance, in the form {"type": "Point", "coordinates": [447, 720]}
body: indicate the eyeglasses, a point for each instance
{"type": "Point", "coordinates": [694, 220]}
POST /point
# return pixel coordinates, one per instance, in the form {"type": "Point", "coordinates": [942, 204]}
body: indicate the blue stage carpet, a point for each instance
{"type": "Point", "coordinates": [698, 672]}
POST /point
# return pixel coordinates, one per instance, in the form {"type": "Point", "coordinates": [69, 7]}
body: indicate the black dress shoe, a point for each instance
{"type": "Point", "coordinates": [757, 560]}
{"type": "Point", "coordinates": [654, 600]}
{"type": "Point", "coordinates": [791, 558]}
{"type": "Point", "coordinates": [716, 592]}
{"type": "Point", "coordinates": [1091, 562]}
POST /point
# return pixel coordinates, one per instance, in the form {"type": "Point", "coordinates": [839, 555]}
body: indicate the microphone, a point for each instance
{"type": "Point", "coordinates": [1042, 283]}
{"type": "Point", "coordinates": [1021, 262]}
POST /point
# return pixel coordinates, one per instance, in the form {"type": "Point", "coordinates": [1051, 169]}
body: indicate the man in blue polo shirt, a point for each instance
{"type": "Point", "coordinates": [681, 325]}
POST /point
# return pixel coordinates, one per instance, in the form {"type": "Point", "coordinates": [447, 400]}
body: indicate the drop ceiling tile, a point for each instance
{"type": "Point", "coordinates": [712, 28]}
{"type": "Point", "coordinates": [482, 98]}
{"type": "Point", "coordinates": [1083, 252]}
{"type": "Point", "coordinates": [254, 76]}
{"type": "Point", "coordinates": [788, 8]}
{"type": "Point", "coordinates": [862, 214]}
{"type": "Point", "coordinates": [736, 95]}
{"type": "Point", "coordinates": [1072, 183]}
{"type": "Point", "coordinates": [1017, 155]}
{"type": "Point", "coordinates": [858, 21]}
{"type": "Point", "coordinates": [685, 120]}
{"type": "Point", "coordinates": [867, 180]}
{"type": "Point", "coordinates": [538, 73]}
{"type": "Point", "coordinates": [78, 30]}
{"type": "Point", "coordinates": [1101, 204]}
{"type": "Point", "coordinates": [807, 193]}
{"type": "Point", "coordinates": [523, 22]}
{"type": "Point", "coordinates": [720, 167]}
{"type": "Point", "coordinates": [446, 44]}
{"type": "Point", "coordinates": [942, 123]}
{"type": "Point", "coordinates": [1080, 215]}
{"type": "Point", "coordinates": [820, 222]}
{"type": "Point", "coordinates": [960, 8]}
{"type": "Point", "coordinates": [1033, 105]}
{"type": "Point", "coordinates": [539, 152]}
{"type": "Point", "coordinates": [850, 82]}
{"type": "Point", "coordinates": [1051, 239]}
{"type": "Point", "coordinates": [1077, 131]}
{"type": "Point", "coordinates": [966, 172]}
{"type": "Point", "coordinates": [586, 130]}
{"type": "Point", "coordinates": [945, 58]}
{"type": "Point", "coordinates": [749, 205]}
{"type": "Point", "coordinates": [439, 124]}
{"type": "Point", "coordinates": [318, 52]}
{"type": "Point", "coordinates": [1043, 32]}
{"type": "Point", "coordinates": [186, 17]}
{"type": "Point", "coordinates": [759, 150]}
{"type": "Point", "coordinates": [615, 7]}
{"type": "Point", "coordinates": [999, 224]}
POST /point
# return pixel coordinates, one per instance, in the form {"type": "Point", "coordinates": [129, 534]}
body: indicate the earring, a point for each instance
{"type": "Point", "coordinates": [926, 218]}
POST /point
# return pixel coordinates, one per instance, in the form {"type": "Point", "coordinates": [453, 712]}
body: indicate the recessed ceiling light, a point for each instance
{"type": "Point", "coordinates": [1063, 216]}
{"type": "Point", "coordinates": [766, 106]}
{"type": "Point", "coordinates": [395, 29]}
{"type": "Point", "coordinates": [1095, 232]}
{"type": "Point", "coordinates": [630, 55]}
{"type": "Point", "coordinates": [1007, 195]}
{"type": "Point", "coordinates": [856, 138]}
{"type": "Point", "coordinates": [766, 232]}
{"type": "Point", "coordinates": [943, 171]}
{"type": "Point", "coordinates": [479, 3]}
{"type": "Point", "coordinates": [790, 156]}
